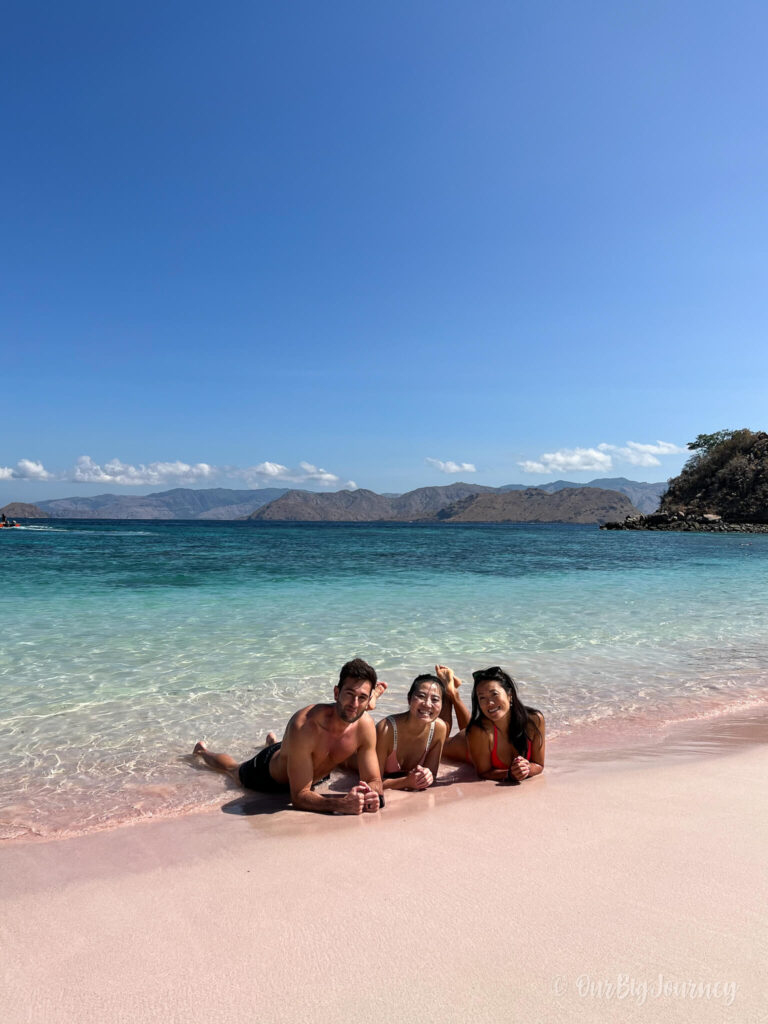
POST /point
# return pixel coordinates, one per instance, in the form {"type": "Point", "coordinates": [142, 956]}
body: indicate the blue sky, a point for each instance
{"type": "Point", "coordinates": [260, 244]}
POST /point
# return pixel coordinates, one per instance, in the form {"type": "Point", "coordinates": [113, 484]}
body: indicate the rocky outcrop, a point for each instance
{"type": "Point", "coordinates": [23, 510]}
{"type": "Point", "coordinates": [730, 480]}
{"type": "Point", "coordinates": [723, 488]}
{"type": "Point", "coordinates": [688, 522]}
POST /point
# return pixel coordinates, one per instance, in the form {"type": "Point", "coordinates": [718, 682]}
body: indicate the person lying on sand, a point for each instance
{"type": "Point", "coordinates": [408, 745]}
{"type": "Point", "coordinates": [318, 738]}
{"type": "Point", "coordinates": [504, 739]}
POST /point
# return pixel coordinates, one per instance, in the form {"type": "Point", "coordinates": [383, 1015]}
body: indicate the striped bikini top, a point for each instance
{"type": "Point", "coordinates": [392, 765]}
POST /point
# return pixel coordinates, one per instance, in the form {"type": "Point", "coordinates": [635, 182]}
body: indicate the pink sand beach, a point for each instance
{"type": "Point", "coordinates": [621, 888]}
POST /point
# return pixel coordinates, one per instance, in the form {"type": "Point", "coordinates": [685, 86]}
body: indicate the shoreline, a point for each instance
{"type": "Point", "coordinates": [635, 741]}
{"type": "Point", "coordinates": [685, 522]}
{"type": "Point", "coordinates": [545, 893]}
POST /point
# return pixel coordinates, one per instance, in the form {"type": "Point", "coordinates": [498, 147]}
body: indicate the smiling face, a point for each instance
{"type": "Point", "coordinates": [493, 700]}
{"type": "Point", "coordinates": [352, 698]}
{"type": "Point", "coordinates": [426, 702]}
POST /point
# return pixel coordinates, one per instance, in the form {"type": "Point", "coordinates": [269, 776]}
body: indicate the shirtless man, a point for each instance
{"type": "Point", "coordinates": [317, 739]}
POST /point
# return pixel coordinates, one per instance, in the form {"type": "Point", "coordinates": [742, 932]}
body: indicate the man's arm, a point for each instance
{"type": "Point", "coordinates": [368, 763]}
{"type": "Point", "coordinates": [300, 779]}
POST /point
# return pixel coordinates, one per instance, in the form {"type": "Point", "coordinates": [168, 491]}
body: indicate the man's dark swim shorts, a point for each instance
{"type": "Point", "coordinates": [254, 774]}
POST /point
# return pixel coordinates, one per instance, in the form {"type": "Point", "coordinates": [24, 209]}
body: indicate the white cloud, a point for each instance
{"type": "Point", "coordinates": [267, 469]}
{"type": "Point", "coordinates": [569, 459]}
{"type": "Point", "coordinates": [275, 472]}
{"type": "Point", "coordinates": [660, 448]}
{"type": "Point", "coordinates": [452, 467]}
{"type": "Point", "coordinates": [25, 469]}
{"type": "Point", "coordinates": [153, 474]}
{"type": "Point", "coordinates": [322, 476]}
{"type": "Point", "coordinates": [601, 458]}
{"type": "Point", "coordinates": [637, 454]}
{"type": "Point", "coordinates": [87, 471]}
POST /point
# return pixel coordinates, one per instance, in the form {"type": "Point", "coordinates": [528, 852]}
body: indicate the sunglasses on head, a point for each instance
{"type": "Point", "coordinates": [486, 673]}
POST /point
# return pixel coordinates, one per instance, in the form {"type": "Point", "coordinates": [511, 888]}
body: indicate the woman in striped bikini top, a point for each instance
{"type": "Point", "coordinates": [409, 745]}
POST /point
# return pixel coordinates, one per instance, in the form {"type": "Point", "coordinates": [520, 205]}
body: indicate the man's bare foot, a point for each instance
{"type": "Point", "coordinates": [378, 689]}
{"type": "Point", "coordinates": [269, 739]}
{"type": "Point", "coordinates": [200, 748]}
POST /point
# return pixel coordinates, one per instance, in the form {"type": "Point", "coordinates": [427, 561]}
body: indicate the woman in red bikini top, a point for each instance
{"type": "Point", "coordinates": [504, 738]}
{"type": "Point", "coordinates": [409, 745]}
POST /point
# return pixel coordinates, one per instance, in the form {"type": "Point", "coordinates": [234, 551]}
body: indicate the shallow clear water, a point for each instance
{"type": "Point", "coordinates": [123, 643]}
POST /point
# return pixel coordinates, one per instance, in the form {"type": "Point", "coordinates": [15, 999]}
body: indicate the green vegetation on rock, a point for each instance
{"type": "Point", "coordinates": [706, 442]}
{"type": "Point", "coordinates": [727, 476]}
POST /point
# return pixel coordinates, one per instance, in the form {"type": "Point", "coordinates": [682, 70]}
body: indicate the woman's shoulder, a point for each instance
{"type": "Point", "coordinates": [385, 724]}
{"type": "Point", "coordinates": [441, 729]}
{"type": "Point", "coordinates": [481, 728]}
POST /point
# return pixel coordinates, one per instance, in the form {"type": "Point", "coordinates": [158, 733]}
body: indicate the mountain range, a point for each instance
{"type": "Point", "coordinates": [644, 496]}
{"type": "Point", "coordinates": [179, 503]}
{"type": "Point", "coordinates": [364, 506]}
{"type": "Point", "coordinates": [279, 503]}
{"type": "Point", "coordinates": [535, 505]}
{"type": "Point", "coordinates": [456, 503]}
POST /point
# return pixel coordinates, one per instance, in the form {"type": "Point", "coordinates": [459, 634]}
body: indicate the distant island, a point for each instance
{"type": "Point", "coordinates": [363, 506]}
{"type": "Point", "coordinates": [548, 502]}
{"type": "Point", "coordinates": [457, 503]}
{"type": "Point", "coordinates": [722, 488]}
{"type": "Point", "coordinates": [23, 510]}
{"type": "Point", "coordinates": [179, 503]}
{"type": "Point", "coordinates": [568, 505]}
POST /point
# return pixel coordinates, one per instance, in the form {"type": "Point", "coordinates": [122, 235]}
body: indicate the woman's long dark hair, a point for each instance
{"type": "Point", "coordinates": [521, 718]}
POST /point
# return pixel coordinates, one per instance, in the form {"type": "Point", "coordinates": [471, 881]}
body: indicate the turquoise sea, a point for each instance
{"type": "Point", "coordinates": [124, 642]}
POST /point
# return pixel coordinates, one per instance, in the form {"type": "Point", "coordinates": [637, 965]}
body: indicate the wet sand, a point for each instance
{"type": "Point", "coordinates": [621, 888]}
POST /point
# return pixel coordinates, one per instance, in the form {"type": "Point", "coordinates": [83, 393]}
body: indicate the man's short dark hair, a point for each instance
{"type": "Point", "coordinates": [358, 669]}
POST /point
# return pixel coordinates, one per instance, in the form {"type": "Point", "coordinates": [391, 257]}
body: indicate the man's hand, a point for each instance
{"type": "Point", "coordinates": [371, 801]}
{"type": "Point", "coordinates": [359, 800]}
{"type": "Point", "coordinates": [420, 778]}
{"type": "Point", "coordinates": [352, 802]}
{"type": "Point", "coordinates": [520, 769]}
